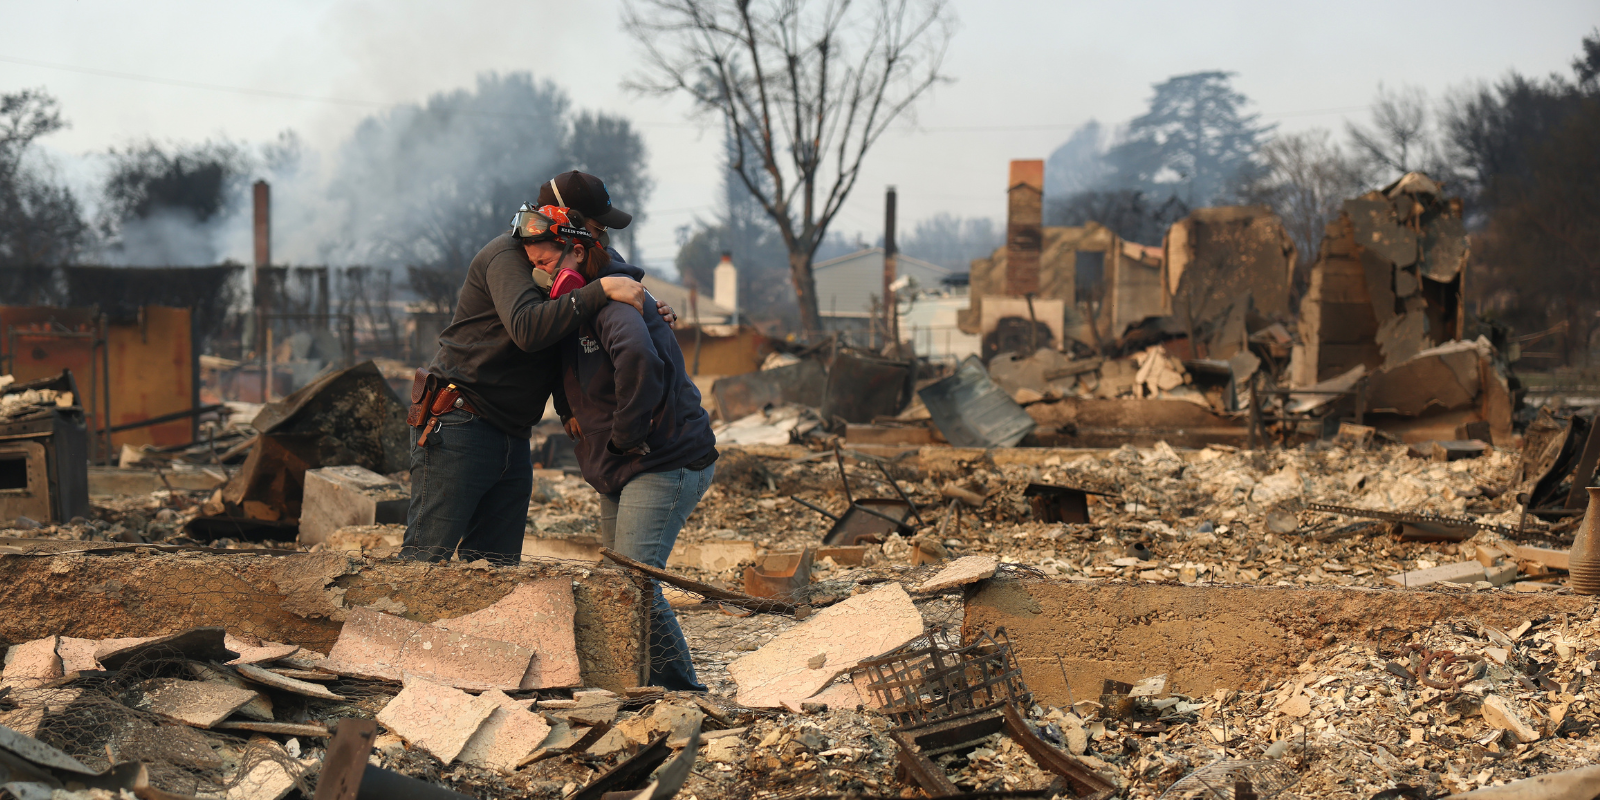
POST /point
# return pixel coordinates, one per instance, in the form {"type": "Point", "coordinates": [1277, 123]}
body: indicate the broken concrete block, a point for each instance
{"type": "Point", "coordinates": [865, 626]}
{"type": "Point", "coordinates": [377, 645]}
{"type": "Point", "coordinates": [1460, 572]}
{"type": "Point", "coordinates": [257, 652]}
{"type": "Point", "coordinates": [200, 704]}
{"type": "Point", "coordinates": [717, 555]}
{"type": "Point", "coordinates": [339, 496]}
{"type": "Point", "coordinates": [538, 616]}
{"type": "Point", "coordinates": [960, 572]}
{"type": "Point", "coordinates": [1500, 575]}
{"type": "Point", "coordinates": [259, 675]}
{"type": "Point", "coordinates": [436, 718]}
{"type": "Point", "coordinates": [1553, 559]}
{"type": "Point", "coordinates": [562, 736]}
{"type": "Point", "coordinates": [259, 709]}
{"type": "Point", "coordinates": [32, 663]}
{"type": "Point", "coordinates": [370, 644]}
{"type": "Point", "coordinates": [1498, 713]}
{"type": "Point", "coordinates": [465, 661]}
{"type": "Point", "coordinates": [507, 738]}
{"type": "Point", "coordinates": [77, 655]}
{"type": "Point", "coordinates": [272, 772]}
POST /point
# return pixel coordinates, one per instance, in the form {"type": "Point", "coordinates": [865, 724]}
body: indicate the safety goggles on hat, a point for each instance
{"type": "Point", "coordinates": [549, 223]}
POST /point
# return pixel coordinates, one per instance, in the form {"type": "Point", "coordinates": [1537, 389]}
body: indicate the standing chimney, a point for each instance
{"type": "Point", "coordinates": [262, 285]}
{"type": "Point", "coordinates": [891, 322]}
{"type": "Point", "coordinates": [1024, 227]}
{"type": "Point", "coordinates": [725, 286]}
{"type": "Point", "coordinates": [263, 198]}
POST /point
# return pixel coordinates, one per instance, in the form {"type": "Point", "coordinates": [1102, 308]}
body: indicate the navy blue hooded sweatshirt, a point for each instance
{"type": "Point", "coordinates": [623, 378]}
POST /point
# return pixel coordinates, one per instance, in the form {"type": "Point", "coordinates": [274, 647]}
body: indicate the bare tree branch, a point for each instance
{"type": "Point", "coordinates": [799, 83]}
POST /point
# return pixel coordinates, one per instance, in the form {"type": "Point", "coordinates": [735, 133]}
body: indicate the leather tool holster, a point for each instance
{"type": "Point", "coordinates": [424, 390]}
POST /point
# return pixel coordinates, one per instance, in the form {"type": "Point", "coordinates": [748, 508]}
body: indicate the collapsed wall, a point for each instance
{"type": "Point", "coordinates": [1387, 282]}
{"type": "Point", "coordinates": [301, 599]}
{"type": "Point", "coordinates": [1206, 638]}
{"type": "Point", "coordinates": [1221, 264]}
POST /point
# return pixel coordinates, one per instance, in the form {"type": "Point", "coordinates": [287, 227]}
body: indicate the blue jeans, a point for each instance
{"type": "Point", "coordinates": [470, 487]}
{"type": "Point", "coordinates": [642, 522]}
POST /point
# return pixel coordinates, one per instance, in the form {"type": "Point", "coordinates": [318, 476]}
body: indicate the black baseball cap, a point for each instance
{"type": "Point", "coordinates": [584, 193]}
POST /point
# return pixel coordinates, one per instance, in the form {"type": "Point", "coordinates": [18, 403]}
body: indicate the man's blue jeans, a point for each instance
{"type": "Point", "coordinates": [470, 487]}
{"type": "Point", "coordinates": [642, 522]}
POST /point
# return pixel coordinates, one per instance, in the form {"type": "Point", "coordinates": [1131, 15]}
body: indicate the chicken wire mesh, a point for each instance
{"type": "Point", "coordinates": [1234, 780]}
{"type": "Point", "coordinates": [107, 718]}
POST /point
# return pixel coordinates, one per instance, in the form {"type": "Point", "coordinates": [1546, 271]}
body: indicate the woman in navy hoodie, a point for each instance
{"type": "Point", "coordinates": [643, 440]}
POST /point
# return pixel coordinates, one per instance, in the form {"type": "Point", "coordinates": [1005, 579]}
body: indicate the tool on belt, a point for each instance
{"type": "Point", "coordinates": [429, 400]}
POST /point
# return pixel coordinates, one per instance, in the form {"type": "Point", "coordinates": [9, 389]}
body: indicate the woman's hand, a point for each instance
{"type": "Point", "coordinates": [574, 430]}
{"type": "Point", "coordinates": [666, 312]}
{"type": "Point", "coordinates": [624, 290]}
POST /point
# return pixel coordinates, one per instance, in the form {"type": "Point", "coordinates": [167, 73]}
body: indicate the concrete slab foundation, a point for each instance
{"type": "Point", "coordinates": [1211, 637]}
{"type": "Point", "coordinates": [301, 599]}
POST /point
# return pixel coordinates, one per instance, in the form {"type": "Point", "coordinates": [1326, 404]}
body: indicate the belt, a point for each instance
{"type": "Point", "coordinates": [429, 400]}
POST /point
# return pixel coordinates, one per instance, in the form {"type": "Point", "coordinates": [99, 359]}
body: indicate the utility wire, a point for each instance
{"type": "Point", "coordinates": [345, 101]}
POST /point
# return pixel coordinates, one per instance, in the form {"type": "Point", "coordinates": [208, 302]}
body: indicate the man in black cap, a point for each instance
{"type": "Point", "coordinates": [474, 406]}
{"type": "Point", "coordinates": [586, 194]}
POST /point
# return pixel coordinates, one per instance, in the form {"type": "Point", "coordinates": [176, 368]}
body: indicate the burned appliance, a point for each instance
{"type": "Point", "coordinates": [869, 519]}
{"type": "Point", "coordinates": [1060, 503]}
{"type": "Point", "coordinates": [44, 451]}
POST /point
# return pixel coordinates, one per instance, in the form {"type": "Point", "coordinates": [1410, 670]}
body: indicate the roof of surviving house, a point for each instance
{"type": "Point", "coordinates": [678, 297]}
{"type": "Point", "coordinates": [847, 284]}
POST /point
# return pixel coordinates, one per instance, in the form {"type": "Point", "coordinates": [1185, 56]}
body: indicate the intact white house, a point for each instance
{"type": "Point", "coordinates": [848, 288]}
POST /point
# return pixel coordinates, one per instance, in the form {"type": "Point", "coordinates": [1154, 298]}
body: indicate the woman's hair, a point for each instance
{"type": "Point", "coordinates": [595, 257]}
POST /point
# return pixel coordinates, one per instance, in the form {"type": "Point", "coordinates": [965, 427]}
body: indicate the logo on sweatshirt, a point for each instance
{"type": "Point", "coordinates": [589, 344]}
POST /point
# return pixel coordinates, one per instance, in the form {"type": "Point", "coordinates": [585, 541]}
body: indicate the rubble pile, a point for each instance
{"type": "Point", "coordinates": [19, 401]}
{"type": "Point", "coordinates": [1453, 707]}
{"type": "Point", "coordinates": [1216, 515]}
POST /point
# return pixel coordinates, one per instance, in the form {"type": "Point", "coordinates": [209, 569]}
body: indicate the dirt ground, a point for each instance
{"type": "Point", "coordinates": [1356, 718]}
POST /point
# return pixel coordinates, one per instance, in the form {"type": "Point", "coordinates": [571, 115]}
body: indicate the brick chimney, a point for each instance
{"type": "Point", "coordinates": [263, 209]}
{"type": "Point", "coordinates": [1024, 227]}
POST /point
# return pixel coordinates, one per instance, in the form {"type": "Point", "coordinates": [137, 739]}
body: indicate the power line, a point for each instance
{"type": "Point", "coordinates": [107, 73]}
{"type": "Point", "coordinates": [346, 101]}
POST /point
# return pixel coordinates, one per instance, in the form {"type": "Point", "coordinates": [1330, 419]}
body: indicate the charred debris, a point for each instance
{"type": "Point", "coordinates": [1167, 531]}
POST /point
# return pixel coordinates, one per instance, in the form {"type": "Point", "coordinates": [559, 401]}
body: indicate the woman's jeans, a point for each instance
{"type": "Point", "coordinates": [642, 522]}
{"type": "Point", "coordinates": [470, 487]}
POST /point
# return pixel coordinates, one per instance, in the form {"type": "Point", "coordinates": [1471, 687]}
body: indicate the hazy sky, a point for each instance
{"type": "Point", "coordinates": [1025, 74]}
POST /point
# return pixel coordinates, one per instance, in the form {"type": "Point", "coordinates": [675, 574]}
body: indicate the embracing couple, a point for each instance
{"type": "Point", "coordinates": [549, 310]}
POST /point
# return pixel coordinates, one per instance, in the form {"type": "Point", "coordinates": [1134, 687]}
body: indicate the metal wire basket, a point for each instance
{"type": "Point", "coordinates": [941, 680]}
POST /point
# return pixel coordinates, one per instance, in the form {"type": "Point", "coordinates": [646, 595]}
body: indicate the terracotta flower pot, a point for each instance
{"type": "Point", "coordinates": [1584, 559]}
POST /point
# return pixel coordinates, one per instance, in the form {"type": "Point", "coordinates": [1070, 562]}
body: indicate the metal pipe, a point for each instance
{"type": "Point", "coordinates": [173, 417]}
{"type": "Point", "coordinates": [105, 367]}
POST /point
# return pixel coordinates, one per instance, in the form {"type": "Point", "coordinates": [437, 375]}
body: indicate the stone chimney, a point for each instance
{"type": "Point", "coordinates": [725, 289]}
{"type": "Point", "coordinates": [1024, 227]}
